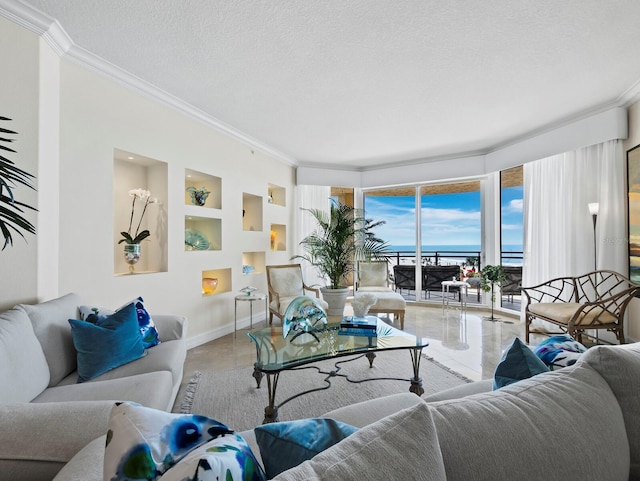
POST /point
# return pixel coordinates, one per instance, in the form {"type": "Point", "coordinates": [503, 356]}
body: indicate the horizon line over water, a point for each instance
{"type": "Point", "coordinates": [454, 248]}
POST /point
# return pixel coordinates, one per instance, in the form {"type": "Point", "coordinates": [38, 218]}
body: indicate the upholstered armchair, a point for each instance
{"type": "Point", "coordinates": [285, 283]}
{"type": "Point", "coordinates": [373, 278]}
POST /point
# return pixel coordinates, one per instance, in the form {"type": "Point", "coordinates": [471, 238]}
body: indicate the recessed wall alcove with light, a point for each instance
{"type": "Point", "coordinates": [133, 171]}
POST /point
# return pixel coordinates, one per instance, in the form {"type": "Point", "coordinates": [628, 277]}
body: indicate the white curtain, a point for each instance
{"type": "Point", "coordinates": [558, 228]}
{"type": "Point", "coordinates": [309, 197]}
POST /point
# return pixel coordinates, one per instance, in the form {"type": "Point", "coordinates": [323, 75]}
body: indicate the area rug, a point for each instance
{"type": "Point", "coordinates": [232, 398]}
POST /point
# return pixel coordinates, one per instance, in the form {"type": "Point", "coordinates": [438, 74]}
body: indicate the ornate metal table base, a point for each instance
{"type": "Point", "coordinates": [271, 410]}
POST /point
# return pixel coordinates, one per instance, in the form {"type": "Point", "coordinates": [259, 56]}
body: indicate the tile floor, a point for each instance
{"type": "Point", "coordinates": [462, 341]}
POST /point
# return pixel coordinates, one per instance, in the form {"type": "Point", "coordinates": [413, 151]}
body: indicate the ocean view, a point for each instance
{"type": "Point", "coordinates": [456, 248]}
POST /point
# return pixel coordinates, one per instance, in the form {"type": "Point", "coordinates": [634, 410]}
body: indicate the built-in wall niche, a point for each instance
{"type": "Point", "coordinates": [202, 234]}
{"type": "Point", "coordinates": [253, 263]}
{"type": "Point", "coordinates": [278, 237]}
{"type": "Point", "coordinates": [251, 212]}
{"type": "Point", "coordinates": [202, 190]}
{"type": "Point", "coordinates": [134, 173]}
{"type": "Point", "coordinates": [215, 281]}
{"type": "Point", "coordinates": [277, 195]}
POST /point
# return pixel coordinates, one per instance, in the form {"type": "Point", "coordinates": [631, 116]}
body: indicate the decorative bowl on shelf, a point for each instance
{"type": "Point", "coordinates": [209, 285]}
{"type": "Point", "coordinates": [248, 269]}
{"type": "Point", "coordinates": [195, 240]}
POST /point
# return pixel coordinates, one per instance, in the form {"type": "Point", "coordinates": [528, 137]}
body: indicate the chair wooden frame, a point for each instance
{"type": "Point", "coordinates": [593, 301]}
{"type": "Point", "coordinates": [275, 296]}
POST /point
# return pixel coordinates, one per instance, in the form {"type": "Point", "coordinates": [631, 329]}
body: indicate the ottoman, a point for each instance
{"type": "Point", "coordinates": [388, 302]}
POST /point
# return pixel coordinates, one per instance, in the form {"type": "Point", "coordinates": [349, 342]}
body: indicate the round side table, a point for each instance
{"type": "Point", "coordinates": [250, 298]}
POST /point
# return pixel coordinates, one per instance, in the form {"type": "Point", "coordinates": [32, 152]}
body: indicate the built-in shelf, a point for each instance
{"type": "Point", "coordinates": [278, 237]}
{"type": "Point", "coordinates": [133, 171]}
{"type": "Point", "coordinates": [276, 195]}
{"type": "Point", "coordinates": [253, 263]}
{"type": "Point", "coordinates": [202, 190]}
{"type": "Point", "coordinates": [215, 281]}
{"type": "Point", "coordinates": [251, 212]}
{"type": "Point", "coordinates": [202, 234]}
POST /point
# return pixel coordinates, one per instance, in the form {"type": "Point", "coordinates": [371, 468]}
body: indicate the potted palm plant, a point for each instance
{"type": "Point", "coordinates": [11, 210]}
{"type": "Point", "coordinates": [490, 276]}
{"type": "Point", "coordinates": [343, 236]}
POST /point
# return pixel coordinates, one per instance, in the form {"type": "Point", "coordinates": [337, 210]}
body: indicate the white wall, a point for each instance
{"type": "Point", "coordinates": [70, 120]}
{"type": "Point", "coordinates": [98, 115]}
{"type": "Point", "coordinates": [19, 57]}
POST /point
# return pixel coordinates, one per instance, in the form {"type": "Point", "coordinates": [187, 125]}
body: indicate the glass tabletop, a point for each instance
{"type": "Point", "coordinates": [275, 353]}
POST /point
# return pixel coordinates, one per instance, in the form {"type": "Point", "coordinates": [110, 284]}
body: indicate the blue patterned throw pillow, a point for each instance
{"type": "Point", "coordinates": [149, 444]}
{"type": "Point", "coordinates": [148, 329]}
{"type": "Point", "coordinates": [559, 351]}
{"type": "Point", "coordinates": [518, 363]}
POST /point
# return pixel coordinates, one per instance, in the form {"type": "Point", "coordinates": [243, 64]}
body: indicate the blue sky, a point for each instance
{"type": "Point", "coordinates": [447, 219]}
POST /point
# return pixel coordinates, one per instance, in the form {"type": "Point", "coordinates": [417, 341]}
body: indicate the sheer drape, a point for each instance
{"type": "Point", "coordinates": [558, 228]}
{"type": "Point", "coordinates": [309, 197]}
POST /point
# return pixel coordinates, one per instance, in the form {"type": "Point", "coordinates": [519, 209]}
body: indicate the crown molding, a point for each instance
{"type": "Point", "coordinates": [56, 37]}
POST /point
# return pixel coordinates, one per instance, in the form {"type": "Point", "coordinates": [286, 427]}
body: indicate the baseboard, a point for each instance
{"type": "Point", "coordinates": [216, 333]}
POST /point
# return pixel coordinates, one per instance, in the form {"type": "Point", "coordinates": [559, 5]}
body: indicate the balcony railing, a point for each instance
{"type": "Point", "coordinates": [468, 261]}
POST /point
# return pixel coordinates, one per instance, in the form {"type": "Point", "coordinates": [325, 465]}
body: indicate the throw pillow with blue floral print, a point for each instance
{"type": "Point", "coordinates": [559, 351]}
{"type": "Point", "coordinates": [145, 444]}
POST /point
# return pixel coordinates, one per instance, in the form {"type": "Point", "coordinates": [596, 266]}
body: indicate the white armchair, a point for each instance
{"type": "Point", "coordinates": [373, 277]}
{"type": "Point", "coordinates": [285, 283]}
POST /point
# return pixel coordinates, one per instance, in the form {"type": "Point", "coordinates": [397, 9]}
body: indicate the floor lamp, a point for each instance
{"type": "Point", "coordinates": [594, 207]}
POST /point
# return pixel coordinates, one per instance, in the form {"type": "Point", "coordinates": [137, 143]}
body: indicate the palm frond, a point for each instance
{"type": "Point", "coordinates": [11, 210]}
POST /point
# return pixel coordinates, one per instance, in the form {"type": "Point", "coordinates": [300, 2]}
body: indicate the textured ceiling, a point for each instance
{"type": "Point", "coordinates": [365, 83]}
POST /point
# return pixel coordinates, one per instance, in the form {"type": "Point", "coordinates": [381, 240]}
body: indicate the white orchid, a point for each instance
{"type": "Point", "coordinates": [143, 195]}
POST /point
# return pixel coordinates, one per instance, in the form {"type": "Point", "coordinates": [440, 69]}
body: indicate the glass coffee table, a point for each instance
{"type": "Point", "coordinates": [275, 354]}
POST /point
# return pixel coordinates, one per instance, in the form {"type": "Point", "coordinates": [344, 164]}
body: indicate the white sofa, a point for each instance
{"type": "Point", "coordinates": [46, 416]}
{"type": "Point", "coordinates": [578, 423]}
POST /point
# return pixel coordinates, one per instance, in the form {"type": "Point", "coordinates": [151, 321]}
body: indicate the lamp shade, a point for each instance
{"type": "Point", "coordinates": [594, 207]}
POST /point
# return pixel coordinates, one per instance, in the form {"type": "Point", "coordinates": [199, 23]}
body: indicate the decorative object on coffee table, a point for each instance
{"type": "Point", "coordinates": [362, 303]}
{"type": "Point", "coordinates": [303, 314]}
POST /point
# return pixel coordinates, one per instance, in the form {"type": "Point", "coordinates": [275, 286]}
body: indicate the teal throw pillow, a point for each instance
{"type": "Point", "coordinates": [112, 343]}
{"type": "Point", "coordinates": [285, 445]}
{"type": "Point", "coordinates": [559, 351]}
{"type": "Point", "coordinates": [148, 331]}
{"type": "Point", "coordinates": [149, 444]}
{"type": "Point", "coordinates": [518, 363]}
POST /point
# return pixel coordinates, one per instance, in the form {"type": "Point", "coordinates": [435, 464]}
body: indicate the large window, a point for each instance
{"type": "Point", "coordinates": [511, 235]}
{"type": "Point", "coordinates": [448, 219]}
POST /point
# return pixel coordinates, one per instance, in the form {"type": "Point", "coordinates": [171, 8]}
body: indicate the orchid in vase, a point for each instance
{"type": "Point", "coordinates": [143, 196]}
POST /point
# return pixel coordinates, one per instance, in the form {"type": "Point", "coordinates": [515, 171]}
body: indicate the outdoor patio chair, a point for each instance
{"type": "Point", "coordinates": [404, 278]}
{"type": "Point", "coordinates": [513, 285]}
{"type": "Point", "coordinates": [284, 283]}
{"type": "Point", "coordinates": [432, 277]}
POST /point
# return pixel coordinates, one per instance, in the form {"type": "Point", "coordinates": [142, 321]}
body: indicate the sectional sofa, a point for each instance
{"type": "Point", "coordinates": [46, 416]}
{"type": "Point", "coordinates": [581, 422]}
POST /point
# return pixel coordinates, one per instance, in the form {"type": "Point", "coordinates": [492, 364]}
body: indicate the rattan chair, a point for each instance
{"type": "Point", "coordinates": [594, 301]}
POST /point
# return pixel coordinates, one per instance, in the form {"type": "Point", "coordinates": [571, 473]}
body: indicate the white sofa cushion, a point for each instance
{"type": "Point", "coordinates": [401, 446]}
{"type": "Point", "coordinates": [550, 427]}
{"type": "Point", "coordinates": [50, 322]}
{"type": "Point", "coordinates": [620, 367]}
{"type": "Point", "coordinates": [24, 372]}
